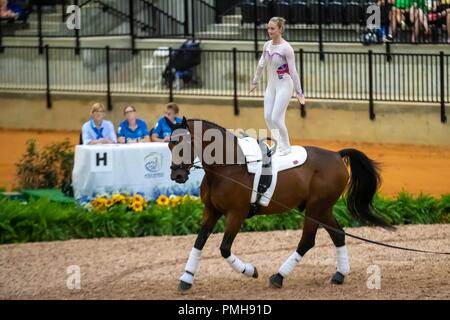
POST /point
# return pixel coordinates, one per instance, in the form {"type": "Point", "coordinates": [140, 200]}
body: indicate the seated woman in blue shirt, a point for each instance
{"type": "Point", "coordinates": [97, 130]}
{"type": "Point", "coordinates": [164, 127]}
{"type": "Point", "coordinates": [132, 130]}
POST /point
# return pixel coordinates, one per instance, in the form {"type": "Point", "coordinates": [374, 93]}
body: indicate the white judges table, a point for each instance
{"type": "Point", "coordinates": [128, 169]}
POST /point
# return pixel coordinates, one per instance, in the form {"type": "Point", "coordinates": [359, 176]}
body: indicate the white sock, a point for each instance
{"type": "Point", "coordinates": [191, 266]}
{"type": "Point", "coordinates": [342, 260]}
{"type": "Point", "coordinates": [239, 266]}
{"type": "Point", "coordinates": [289, 265]}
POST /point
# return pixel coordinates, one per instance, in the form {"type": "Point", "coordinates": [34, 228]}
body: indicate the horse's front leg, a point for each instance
{"type": "Point", "coordinates": [233, 224]}
{"type": "Point", "coordinates": [210, 217]}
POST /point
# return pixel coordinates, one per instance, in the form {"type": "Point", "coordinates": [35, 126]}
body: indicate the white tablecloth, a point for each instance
{"type": "Point", "coordinates": [129, 168]}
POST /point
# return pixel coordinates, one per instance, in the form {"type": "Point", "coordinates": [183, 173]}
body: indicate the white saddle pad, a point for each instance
{"type": "Point", "coordinates": [252, 153]}
{"type": "Point", "coordinates": [296, 158]}
{"type": "Point", "coordinates": [253, 157]}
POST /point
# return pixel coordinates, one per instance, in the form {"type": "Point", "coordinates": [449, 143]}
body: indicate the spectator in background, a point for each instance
{"type": "Point", "coordinates": [385, 8]}
{"type": "Point", "coordinates": [400, 14]}
{"type": "Point", "coordinates": [4, 11]}
{"type": "Point", "coordinates": [97, 130]}
{"type": "Point", "coordinates": [418, 17]}
{"type": "Point", "coordinates": [443, 10]}
{"type": "Point", "coordinates": [164, 127]}
{"type": "Point", "coordinates": [132, 130]}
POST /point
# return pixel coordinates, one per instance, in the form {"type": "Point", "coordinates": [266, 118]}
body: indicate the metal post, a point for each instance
{"type": "Point", "coordinates": [170, 76]}
{"type": "Point", "coordinates": [2, 49]}
{"type": "Point", "coordinates": [63, 10]}
{"type": "Point", "coordinates": [186, 18]}
{"type": "Point", "coordinates": [131, 21]}
{"type": "Point", "coordinates": [47, 77]}
{"type": "Point", "coordinates": [39, 13]}
{"type": "Point", "coordinates": [108, 80]}
{"type": "Point", "coordinates": [388, 52]}
{"type": "Point", "coordinates": [235, 95]}
{"type": "Point", "coordinates": [77, 37]}
{"type": "Point", "coordinates": [255, 14]}
{"type": "Point", "coordinates": [216, 15]}
{"type": "Point", "coordinates": [442, 85]}
{"type": "Point", "coordinates": [193, 18]}
{"type": "Point", "coordinates": [322, 56]}
{"type": "Point", "coordinates": [371, 109]}
{"type": "Point", "coordinates": [302, 106]}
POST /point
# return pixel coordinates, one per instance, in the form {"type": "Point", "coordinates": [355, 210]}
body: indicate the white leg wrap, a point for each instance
{"type": "Point", "coordinates": [342, 260]}
{"type": "Point", "coordinates": [289, 265]}
{"type": "Point", "coordinates": [191, 266]}
{"type": "Point", "coordinates": [239, 266]}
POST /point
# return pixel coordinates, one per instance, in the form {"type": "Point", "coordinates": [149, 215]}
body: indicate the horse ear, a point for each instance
{"type": "Point", "coordinates": [184, 122]}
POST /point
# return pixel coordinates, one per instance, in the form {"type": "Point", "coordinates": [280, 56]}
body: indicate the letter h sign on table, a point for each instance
{"type": "Point", "coordinates": [101, 161]}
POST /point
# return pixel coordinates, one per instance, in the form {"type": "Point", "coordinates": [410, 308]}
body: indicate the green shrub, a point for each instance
{"type": "Point", "coordinates": [42, 220]}
{"type": "Point", "coordinates": [50, 168]}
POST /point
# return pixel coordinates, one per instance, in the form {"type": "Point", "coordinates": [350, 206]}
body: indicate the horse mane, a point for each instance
{"type": "Point", "coordinates": [225, 131]}
{"type": "Point", "coordinates": [215, 125]}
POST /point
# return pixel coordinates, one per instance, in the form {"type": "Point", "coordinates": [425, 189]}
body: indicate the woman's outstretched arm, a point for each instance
{"type": "Point", "coordinates": [290, 58]}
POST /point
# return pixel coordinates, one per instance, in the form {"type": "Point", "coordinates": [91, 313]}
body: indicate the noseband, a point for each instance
{"type": "Point", "coordinates": [182, 166]}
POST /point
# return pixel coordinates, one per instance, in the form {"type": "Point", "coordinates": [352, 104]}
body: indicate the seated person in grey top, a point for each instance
{"type": "Point", "coordinates": [97, 130]}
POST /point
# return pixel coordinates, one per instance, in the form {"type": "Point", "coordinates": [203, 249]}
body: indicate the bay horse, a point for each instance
{"type": "Point", "coordinates": [315, 186]}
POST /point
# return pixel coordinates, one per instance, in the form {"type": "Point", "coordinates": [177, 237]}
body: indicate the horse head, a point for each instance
{"type": "Point", "coordinates": [183, 156]}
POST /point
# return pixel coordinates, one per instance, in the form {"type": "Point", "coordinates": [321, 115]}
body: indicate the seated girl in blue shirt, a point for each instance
{"type": "Point", "coordinates": [132, 130]}
{"type": "Point", "coordinates": [164, 127]}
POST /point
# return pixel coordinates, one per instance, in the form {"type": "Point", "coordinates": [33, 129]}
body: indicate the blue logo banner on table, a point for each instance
{"type": "Point", "coordinates": [142, 168]}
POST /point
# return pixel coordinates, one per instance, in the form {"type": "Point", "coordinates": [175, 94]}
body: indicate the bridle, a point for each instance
{"type": "Point", "coordinates": [182, 166]}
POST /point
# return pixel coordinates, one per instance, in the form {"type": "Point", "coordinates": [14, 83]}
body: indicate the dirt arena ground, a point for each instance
{"type": "Point", "coordinates": [411, 168]}
{"type": "Point", "coordinates": [148, 268]}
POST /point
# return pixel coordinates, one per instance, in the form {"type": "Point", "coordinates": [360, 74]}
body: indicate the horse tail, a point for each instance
{"type": "Point", "coordinates": [364, 182]}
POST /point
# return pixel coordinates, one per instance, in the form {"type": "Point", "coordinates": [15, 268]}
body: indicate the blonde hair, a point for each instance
{"type": "Point", "coordinates": [173, 106]}
{"type": "Point", "coordinates": [280, 21]}
{"type": "Point", "coordinates": [97, 107]}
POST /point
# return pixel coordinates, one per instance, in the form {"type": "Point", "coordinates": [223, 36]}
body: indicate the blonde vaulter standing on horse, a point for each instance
{"type": "Point", "coordinates": [283, 77]}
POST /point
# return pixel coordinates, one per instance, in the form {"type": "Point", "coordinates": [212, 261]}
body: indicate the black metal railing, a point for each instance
{"type": "Point", "coordinates": [318, 21]}
{"type": "Point", "coordinates": [371, 77]}
{"type": "Point", "coordinates": [156, 22]}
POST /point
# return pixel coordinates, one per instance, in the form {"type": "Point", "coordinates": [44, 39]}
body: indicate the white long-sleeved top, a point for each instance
{"type": "Point", "coordinates": [280, 59]}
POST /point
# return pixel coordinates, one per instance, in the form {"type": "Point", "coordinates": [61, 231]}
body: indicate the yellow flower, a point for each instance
{"type": "Point", "coordinates": [94, 203]}
{"type": "Point", "coordinates": [129, 201]}
{"type": "Point", "coordinates": [138, 198]}
{"type": "Point", "coordinates": [162, 200]}
{"type": "Point", "coordinates": [98, 205]}
{"type": "Point", "coordinates": [137, 207]}
{"type": "Point", "coordinates": [109, 203]}
{"type": "Point", "coordinates": [118, 198]}
{"type": "Point", "coordinates": [175, 201]}
{"type": "Point", "coordinates": [101, 200]}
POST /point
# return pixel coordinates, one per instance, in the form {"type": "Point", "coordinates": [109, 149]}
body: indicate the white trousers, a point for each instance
{"type": "Point", "coordinates": [276, 100]}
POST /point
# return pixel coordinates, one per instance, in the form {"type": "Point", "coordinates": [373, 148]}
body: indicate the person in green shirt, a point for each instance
{"type": "Point", "coordinates": [418, 17]}
{"type": "Point", "coordinates": [400, 14]}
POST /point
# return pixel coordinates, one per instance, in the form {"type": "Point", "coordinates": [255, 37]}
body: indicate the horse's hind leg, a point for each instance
{"type": "Point", "coordinates": [232, 226]}
{"type": "Point", "coordinates": [306, 242]}
{"type": "Point", "coordinates": [210, 217]}
{"type": "Point", "coordinates": [338, 236]}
